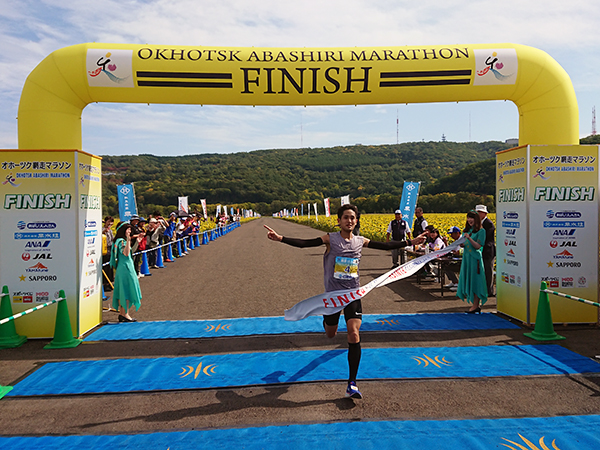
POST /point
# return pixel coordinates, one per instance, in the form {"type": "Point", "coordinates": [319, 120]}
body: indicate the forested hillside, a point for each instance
{"type": "Point", "coordinates": [272, 179]}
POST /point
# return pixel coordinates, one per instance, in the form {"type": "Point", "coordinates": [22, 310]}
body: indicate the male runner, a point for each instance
{"type": "Point", "coordinates": [340, 267]}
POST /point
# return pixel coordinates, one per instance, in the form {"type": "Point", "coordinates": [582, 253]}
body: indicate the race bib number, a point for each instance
{"type": "Point", "coordinates": [345, 268]}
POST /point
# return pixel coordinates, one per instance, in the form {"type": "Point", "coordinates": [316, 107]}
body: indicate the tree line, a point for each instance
{"type": "Point", "coordinates": [452, 175]}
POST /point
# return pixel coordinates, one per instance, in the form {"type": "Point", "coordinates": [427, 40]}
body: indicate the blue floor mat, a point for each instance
{"type": "Point", "coordinates": [246, 369]}
{"type": "Point", "coordinates": [190, 329]}
{"type": "Point", "coordinates": [559, 433]}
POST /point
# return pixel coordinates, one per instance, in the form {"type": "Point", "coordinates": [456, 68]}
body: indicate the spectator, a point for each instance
{"type": "Point", "coordinates": [489, 248]}
{"type": "Point", "coordinates": [155, 232]}
{"type": "Point", "coordinates": [420, 223]}
{"type": "Point", "coordinates": [452, 268]}
{"type": "Point", "coordinates": [107, 242]}
{"type": "Point", "coordinates": [127, 291]}
{"type": "Point", "coordinates": [471, 283]}
{"type": "Point", "coordinates": [169, 235]}
{"type": "Point", "coordinates": [399, 230]}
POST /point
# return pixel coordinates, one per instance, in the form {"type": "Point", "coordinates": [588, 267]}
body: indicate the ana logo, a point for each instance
{"type": "Point", "coordinates": [21, 225]}
{"type": "Point", "coordinates": [563, 255]}
{"type": "Point", "coordinates": [39, 267]}
{"type": "Point", "coordinates": [25, 256]}
{"type": "Point", "coordinates": [567, 215]}
{"type": "Point", "coordinates": [553, 244]}
{"type": "Point", "coordinates": [558, 233]}
{"type": "Point", "coordinates": [37, 246]}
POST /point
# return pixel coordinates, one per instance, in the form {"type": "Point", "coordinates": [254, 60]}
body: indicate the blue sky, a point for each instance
{"type": "Point", "coordinates": [31, 30]}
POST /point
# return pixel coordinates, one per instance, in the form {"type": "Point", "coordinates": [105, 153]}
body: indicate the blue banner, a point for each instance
{"type": "Point", "coordinates": [126, 198]}
{"type": "Point", "coordinates": [410, 193]}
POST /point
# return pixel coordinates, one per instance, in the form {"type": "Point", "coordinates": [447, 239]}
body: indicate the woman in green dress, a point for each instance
{"type": "Point", "coordinates": [471, 282]}
{"type": "Point", "coordinates": [126, 292]}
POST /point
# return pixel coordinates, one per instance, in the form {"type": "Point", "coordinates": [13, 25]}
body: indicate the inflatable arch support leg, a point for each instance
{"type": "Point", "coordinates": [65, 82]}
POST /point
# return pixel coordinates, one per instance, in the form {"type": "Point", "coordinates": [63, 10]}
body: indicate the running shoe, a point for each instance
{"type": "Point", "coordinates": [352, 391]}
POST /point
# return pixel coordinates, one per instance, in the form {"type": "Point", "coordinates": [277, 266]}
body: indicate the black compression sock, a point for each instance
{"type": "Point", "coordinates": [353, 360]}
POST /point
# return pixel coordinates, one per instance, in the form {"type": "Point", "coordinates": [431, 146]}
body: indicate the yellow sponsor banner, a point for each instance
{"type": "Point", "coordinates": [563, 206]}
{"type": "Point", "coordinates": [41, 230]}
{"type": "Point", "coordinates": [512, 233]}
{"type": "Point", "coordinates": [89, 209]}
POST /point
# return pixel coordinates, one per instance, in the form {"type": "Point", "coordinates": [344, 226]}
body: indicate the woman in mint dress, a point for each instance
{"type": "Point", "coordinates": [472, 286]}
{"type": "Point", "coordinates": [126, 292]}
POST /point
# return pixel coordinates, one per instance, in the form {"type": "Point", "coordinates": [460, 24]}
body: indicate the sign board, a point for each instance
{"type": "Point", "coordinates": [51, 236]}
{"type": "Point", "coordinates": [547, 230]}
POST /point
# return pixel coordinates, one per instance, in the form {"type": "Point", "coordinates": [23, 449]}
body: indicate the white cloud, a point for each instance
{"type": "Point", "coordinates": [30, 30]}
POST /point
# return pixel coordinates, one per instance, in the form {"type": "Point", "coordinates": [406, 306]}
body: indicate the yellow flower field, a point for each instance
{"type": "Point", "coordinates": [374, 226]}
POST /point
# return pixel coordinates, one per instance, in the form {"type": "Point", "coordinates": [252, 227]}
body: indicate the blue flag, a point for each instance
{"type": "Point", "coordinates": [126, 198]}
{"type": "Point", "coordinates": [410, 193]}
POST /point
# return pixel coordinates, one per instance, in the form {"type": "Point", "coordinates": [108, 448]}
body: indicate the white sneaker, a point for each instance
{"type": "Point", "coordinates": [450, 285]}
{"type": "Point", "coordinates": [454, 288]}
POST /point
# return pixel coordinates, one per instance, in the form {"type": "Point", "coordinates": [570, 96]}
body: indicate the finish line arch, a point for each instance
{"type": "Point", "coordinates": [65, 82]}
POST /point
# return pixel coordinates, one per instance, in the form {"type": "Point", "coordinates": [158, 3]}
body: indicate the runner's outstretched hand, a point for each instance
{"type": "Point", "coordinates": [273, 235]}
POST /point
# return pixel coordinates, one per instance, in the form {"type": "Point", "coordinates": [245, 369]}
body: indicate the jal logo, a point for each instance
{"type": "Point", "coordinates": [563, 255]}
{"type": "Point", "coordinates": [553, 244]}
{"type": "Point", "coordinates": [567, 214]}
{"type": "Point", "coordinates": [568, 244]}
{"type": "Point", "coordinates": [510, 243]}
{"type": "Point", "coordinates": [570, 232]}
{"type": "Point", "coordinates": [511, 215]}
{"type": "Point", "coordinates": [25, 256]}
{"type": "Point", "coordinates": [45, 256]}
{"type": "Point", "coordinates": [37, 244]}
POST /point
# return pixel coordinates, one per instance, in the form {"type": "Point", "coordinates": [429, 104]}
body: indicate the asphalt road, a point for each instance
{"type": "Point", "coordinates": [243, 274]}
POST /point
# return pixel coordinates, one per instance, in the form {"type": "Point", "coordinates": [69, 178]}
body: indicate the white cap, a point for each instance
{"type": "Point", "coordinates": [397, 212]}
{"type": "Point", "coordinates": [481, 208]}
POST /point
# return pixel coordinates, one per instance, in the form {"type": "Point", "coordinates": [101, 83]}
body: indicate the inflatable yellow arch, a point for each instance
{"type": "Point", "coordinates": [58, 89]}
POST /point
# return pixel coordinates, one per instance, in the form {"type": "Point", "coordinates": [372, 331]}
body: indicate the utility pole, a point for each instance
{"type": "Point", "coordinates": [397, 122]}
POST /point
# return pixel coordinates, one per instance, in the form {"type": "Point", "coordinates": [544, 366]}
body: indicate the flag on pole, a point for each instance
{"type": "Point", "coordinates": [345, 200]}
{"type": "Point", "coordinates": [410, 193]}
{"type": "Point", "coordinates": [326, 201]}
{"type": "Point", "coordinates": [203, 201]}
{"type": "Point", "coordinates": [126, 199]}
{"type": "Point", "coordinates": [183, 204]}
{"type": "Point", "coordinates": [316, 214]}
